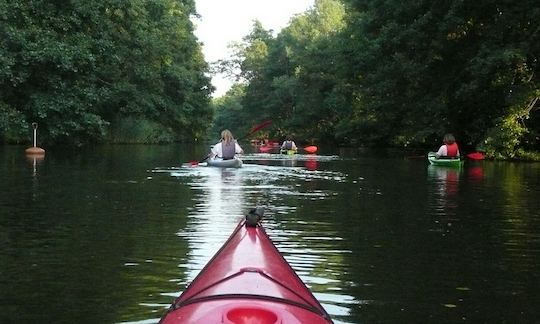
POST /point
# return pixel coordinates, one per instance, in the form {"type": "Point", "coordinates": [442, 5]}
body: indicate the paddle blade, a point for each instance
{"type": "Point", "coordinates": [256, 128]}
{"type": "Point", "coordinates": [476, 156]}
{"type": "Point", "coordinates": [190, 164]}
{"type": "Point", "coordinates": [311, 149]}
{"type": "Point", "coordinates": [260, 126]}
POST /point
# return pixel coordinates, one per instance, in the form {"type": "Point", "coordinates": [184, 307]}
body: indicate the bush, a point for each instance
{"type": "Point", "coordinates": [503, 140]}
{"type": "Point", "coordinates": [13, 127]}
{"type": "Point", "coordinates": [133, 130]}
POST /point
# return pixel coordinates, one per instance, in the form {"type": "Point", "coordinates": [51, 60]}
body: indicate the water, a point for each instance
{"type": "Point", "coordinates": [112, 234]}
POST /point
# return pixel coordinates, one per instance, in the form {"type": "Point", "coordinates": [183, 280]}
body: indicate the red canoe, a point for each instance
{"type": "Point", "coordinates": [247, 282]}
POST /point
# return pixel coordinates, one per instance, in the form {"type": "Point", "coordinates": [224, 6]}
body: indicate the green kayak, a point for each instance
{"type": "Point", "coordinates": [450, 162]}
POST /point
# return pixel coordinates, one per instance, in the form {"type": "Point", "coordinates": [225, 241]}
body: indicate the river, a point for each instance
{"type": "Point", "coordinates": [112, 234]}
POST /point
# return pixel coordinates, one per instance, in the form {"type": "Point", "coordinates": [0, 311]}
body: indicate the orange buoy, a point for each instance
{"type": "Point", "coordinates": [35, 151]}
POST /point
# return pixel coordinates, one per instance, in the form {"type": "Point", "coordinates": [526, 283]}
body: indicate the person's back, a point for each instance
{"type": "Point", "coordinates": [449, 149]}
{"type": "Point", "coordinates": [227, 148]}
{"type": "Point", "coordinates": [288, 144]}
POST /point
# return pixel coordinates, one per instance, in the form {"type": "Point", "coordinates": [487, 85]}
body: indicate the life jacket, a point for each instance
{"type": "Point", "coordinates": [287, 145]}
{"type": "Point", "coordinates": [452, 150]}
{"type": "Point", "coordinates": [228, 149]}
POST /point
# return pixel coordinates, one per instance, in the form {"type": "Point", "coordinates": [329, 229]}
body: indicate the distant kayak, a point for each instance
{"type": "Point", "coordinates": [220, 163]}
{"type": "Point", "coordinates": [248, 281]}
{"type": "Point", "coordinates": [444, 161]}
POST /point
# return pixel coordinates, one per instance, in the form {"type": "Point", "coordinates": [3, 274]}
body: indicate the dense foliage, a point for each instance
{"type": "Point", "coordinates": [352, 72]}
{"type": "Point", "coordinates": [425, 68]}
{"type": "Point", "coordinates": [291, 78]}
{"type": "Point", "coordinates": [89, 71]}
{"type": "Point", "coordinates": [379, 72]}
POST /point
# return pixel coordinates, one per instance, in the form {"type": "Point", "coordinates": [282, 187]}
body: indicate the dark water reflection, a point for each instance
{"type": "Point", "coordinates": [113, 234]}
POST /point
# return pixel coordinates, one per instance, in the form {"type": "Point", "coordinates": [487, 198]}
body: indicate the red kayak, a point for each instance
{"type": "Point", "coordinates": [247, 282]}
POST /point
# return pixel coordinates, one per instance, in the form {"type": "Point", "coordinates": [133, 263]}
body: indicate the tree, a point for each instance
{"type": "Point", "coordinates": [229, 111]}
{"type": "Point", "coordinates": [285, 79]}
{"type": "Point", "coordinates": [425, 68]}
{"type": "Point", "coordinates": [79, 68]}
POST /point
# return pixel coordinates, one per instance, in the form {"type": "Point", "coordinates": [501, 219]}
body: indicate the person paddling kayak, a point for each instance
{"type": "Point", "coordinates": [227, 147]}
{"type": "Point", "coordinates": [288, 145]}
{"type": "Point", "coordinates": [449, 149]}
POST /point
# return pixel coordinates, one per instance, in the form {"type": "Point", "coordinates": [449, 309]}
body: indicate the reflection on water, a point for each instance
{"type": "Point", "coordinates": [445, 182]}
{"type": "Point", "coordinates": [34, 161]}
{"type": "Point", "coordinates": [219, 201]}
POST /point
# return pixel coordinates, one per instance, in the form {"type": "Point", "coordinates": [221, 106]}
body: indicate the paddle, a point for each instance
{"type": "Point", "coordinates": [311, 149]}
{"type": "Point", "coordinates": [256, 129]}
{"type": "Point", "coordinates": [251, 131]}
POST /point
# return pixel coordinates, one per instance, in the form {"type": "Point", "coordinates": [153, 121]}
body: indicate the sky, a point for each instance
{"type": "Point", "coordinates": [225, 21]}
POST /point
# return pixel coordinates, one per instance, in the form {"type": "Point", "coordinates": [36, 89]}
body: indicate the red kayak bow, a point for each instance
{"type": "Point", "coordinates": [247, 282]}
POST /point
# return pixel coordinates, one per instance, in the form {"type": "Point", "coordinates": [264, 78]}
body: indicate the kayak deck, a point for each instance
{"type": "Point", "coordinates": [247, 282]}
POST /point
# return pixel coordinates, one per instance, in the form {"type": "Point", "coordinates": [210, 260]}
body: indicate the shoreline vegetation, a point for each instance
{"type": "Point", "coordinates": [351, 73]}
{"type": "Point", "coordinates": [416, 153]}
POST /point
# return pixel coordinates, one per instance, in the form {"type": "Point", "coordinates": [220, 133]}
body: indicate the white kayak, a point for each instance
{"type": "Point", "coordinates": [220, 163]}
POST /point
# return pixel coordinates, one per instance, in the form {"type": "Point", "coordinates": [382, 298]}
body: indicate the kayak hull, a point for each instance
{"type": "Point", "coordinates": [247, 282]}
{"type": "Point", "coordinates": [449, 162]}
{"type": "Point", "coordinates": [220, 163]}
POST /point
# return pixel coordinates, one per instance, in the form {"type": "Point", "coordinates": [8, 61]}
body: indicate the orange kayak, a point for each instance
{"type": "Point", "coordinates": [247, 282]}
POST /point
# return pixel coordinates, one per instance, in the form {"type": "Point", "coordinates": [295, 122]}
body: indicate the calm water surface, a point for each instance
{"type": "Point", "coordinates": [112, 234]}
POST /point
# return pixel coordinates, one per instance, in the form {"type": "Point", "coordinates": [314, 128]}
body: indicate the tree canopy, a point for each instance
{"type": "Point", "coordinates": [402, 74]}
{"type": "Point", "coordinates": [347, 72]}
{"type": "Point", "coordinates": [87, 70]}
